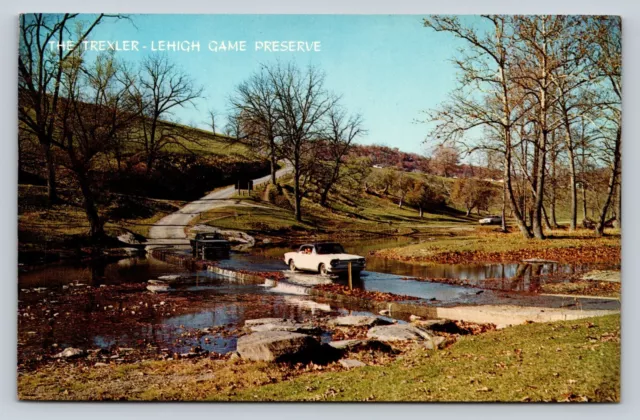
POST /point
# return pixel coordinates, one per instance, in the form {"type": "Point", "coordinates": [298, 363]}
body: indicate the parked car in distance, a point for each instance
{"type": "Point", "coordinates": [324, 258]}
{"type": "Point", "coordinates": [491, 220]}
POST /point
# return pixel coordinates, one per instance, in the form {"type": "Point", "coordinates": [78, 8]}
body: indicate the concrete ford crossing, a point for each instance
{"type": "Point", "coordinates": [324, 258]}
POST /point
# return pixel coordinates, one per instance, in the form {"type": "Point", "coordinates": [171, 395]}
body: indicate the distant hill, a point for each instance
{"type": "Point", "coordinates": [392, 157]}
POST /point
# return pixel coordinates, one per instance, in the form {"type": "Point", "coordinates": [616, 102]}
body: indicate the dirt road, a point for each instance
{"type": "Point", "coordinates": [170, 230]}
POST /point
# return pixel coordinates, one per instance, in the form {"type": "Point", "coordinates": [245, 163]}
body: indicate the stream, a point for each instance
{"type": "Point", "coordinates": [81, 310]}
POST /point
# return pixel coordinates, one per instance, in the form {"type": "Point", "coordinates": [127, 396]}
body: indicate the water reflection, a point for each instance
{"type": "Point", "coordinates": [97, 272]}
{"type": "Point", "coordinates": [226, 308]}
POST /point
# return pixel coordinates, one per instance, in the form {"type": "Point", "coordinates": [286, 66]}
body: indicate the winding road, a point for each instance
{"type": "Point", "coordinates": [170, 230]}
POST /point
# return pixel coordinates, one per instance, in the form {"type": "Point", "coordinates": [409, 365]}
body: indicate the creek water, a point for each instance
{"type": "Point", "coordinates": [212, 301]}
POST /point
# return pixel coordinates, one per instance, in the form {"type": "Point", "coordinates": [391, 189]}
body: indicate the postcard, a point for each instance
{"type": "Point", "coordinates": [319, 208]}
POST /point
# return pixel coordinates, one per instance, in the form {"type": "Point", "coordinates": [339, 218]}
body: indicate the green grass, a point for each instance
{"type": "Point", "coordinates": [347, 214]}
{"type": "Point", "coordinates": [561, 361]}
{"type": "Point", "coordinates": [64, 224]}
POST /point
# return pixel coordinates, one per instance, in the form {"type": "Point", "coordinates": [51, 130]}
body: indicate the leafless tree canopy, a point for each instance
{"type": "Point", "coordinates": [286, 112]}
{"type": "Point", "coordinates": [542, 91]}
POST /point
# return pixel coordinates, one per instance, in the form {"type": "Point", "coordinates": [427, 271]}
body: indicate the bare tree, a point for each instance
{"type": "Point", "coordinates": [472, 194]}
{"type": "Point", "coordinates": [302, 104]}
{"type": "Point", "coordinates": [607, 59]}
{"type": "Point", "coordinates": [484, 67]}
{"type": "Point", "coordinates": [255, 117]}
{"type": "Point", "coordinates": [97, 109]}
{"type": "Point", "coordinates": [40, 69]}
{"type": "Point", "coordinates": [445, 160]}
{"type": "Point", "coordinates": [540, 52]}
{"type": "Point", "coordinates": [162, 89]}
{"type": "Point", "coordinates": [342, 131]}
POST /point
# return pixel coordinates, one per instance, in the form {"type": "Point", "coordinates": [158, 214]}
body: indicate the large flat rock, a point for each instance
{"type": "Point", "coordinates": [279, 324]}
{"type": "Point", "coordinates": [260, 321]}
{"type": "Point", "coordinates": [400, 332]}
{"type": "Point", "coordinates": [277, 346]}
{"type": "Point", "coordinates": [358, 321]}
{"type": "Point", "coordinates": [351, 363]}
{"type": "Point", "coordinates": [70, 353]}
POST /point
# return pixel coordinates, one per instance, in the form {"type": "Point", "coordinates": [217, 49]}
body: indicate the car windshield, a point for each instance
{"type": "Point", "coordinates": [329, 249]}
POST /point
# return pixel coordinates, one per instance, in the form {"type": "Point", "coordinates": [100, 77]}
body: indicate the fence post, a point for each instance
{"type": "Point", "coordinates": [350, 281]}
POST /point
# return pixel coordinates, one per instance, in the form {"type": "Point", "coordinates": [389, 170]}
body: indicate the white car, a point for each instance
{"type": "Point", "coordinates": [491, 220]}
{"type": "Point", "coordinates": [324, 258]}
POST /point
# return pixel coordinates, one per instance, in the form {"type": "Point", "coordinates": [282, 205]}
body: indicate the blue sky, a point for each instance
{"type": "Point", "coordinates": [389, 68]}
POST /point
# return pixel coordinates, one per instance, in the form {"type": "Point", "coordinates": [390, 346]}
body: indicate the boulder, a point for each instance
{"type": "Point", "coordinates": [170, 277]}
{"type": "Point", "coordinates": [260, 321]}
{"type": "Point", "coordinates": [436, 342]}
{"type": "Point", "coordinates": [398, 332]}
{"type": "Point", "coordinates": [356, 345]}
{"type": "Point", "coordinates": [233, 236]}
{"type": "Point", "coordinates": [158, 288]}
{"type": "Point", "coordinates": [157, 282]}
{"type": "Point", "coordinates": [277, 324]}
{"type": "Point", "coordinates": [131, 238]}
{"type": "Point", "coordinates": [351, 363]}
{"type": "Point", "coordinates": [358, 321]}
{"type": "Point", "coordinates": [440, 325]}
{"type": "Point", "coordinates": [70, 353]}
{"type": "Point", "coordinates": [277, 346]}
{"type": "Point", "coordinates": [347, 344]}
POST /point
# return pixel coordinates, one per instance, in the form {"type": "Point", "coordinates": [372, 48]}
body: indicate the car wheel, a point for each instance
{"type": "Point", "coordinates": [292, 265]}
{"type": "Point", "coordinates": [322, 269]}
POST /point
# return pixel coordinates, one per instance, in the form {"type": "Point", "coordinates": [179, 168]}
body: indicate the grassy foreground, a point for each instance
{"type": "Point", "coordinates": [562, 361]}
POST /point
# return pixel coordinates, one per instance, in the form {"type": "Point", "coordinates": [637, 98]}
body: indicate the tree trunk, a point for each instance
{"type": "Point", "coordinates": [554, 157]}
{"type": "Point", "coordinates": [324, 195]}
{"type": "Point", "coordinates": [52, 185]}
{"type": "Point", "coordinates": [274, 168]}
{"type": "Point", "coordinates": [539, 187]}
{"type": "Point", "coordinates": [96, 228]}
{"type": "Point", "coordinates": [618, 221]}
{"type": "Point", "coordinates": [546, 218]}
{"type": "Point", "coordinates": [554, 221]}
{"type": "Point", "coordinates": [573, 218]}
{"type": "Point", "coordinates": [584, 202]}
{"type": "Point", "coordinates": [503, 222]}
{"type": "Point", "coordinates": [297, 194]}
{"type": "Point", "coordinates": [507, 179]}
{"type": "Point", "coordinates": [421, 212]}
{"type": "Point", "coordinates": [149, 161]}
{"type": "Point", "coordinates": [613, 179]}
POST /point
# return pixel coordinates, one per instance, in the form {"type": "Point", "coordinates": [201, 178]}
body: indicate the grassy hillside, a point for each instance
{"type": "Point", "coordinates": [348, 213]}
{"type": "Point", "coordinates": [129, 198]}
